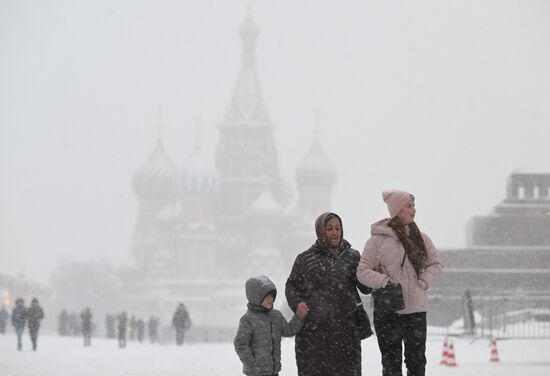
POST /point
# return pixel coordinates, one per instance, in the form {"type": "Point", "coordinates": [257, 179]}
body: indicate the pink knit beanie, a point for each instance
{"type": "Point", "coordinates": [396, 200]}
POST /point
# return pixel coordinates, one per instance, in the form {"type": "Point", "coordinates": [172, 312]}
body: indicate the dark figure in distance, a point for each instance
{"type": "Point", "coordinates": [4, 316]}
{"type": "Point", "coordinates": [140, 330]}
{"type": "Point", "coordinates": [18, 319]}
{"type": "Point", "coordinates": [35, 314]}
{"type": "Point", "coordinates": [86, 326]}
{"type": "Point", "coordinates": [181, 322]}
{"type": "Point", "coordinates": [122, 325]}
{"type": "Point", "coordinates": [152, 329]}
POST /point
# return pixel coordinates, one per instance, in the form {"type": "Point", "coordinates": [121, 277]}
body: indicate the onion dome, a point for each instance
{"type": "Point", "coordinates": [198, 176]}
{"type": "Point", "coordinates": [316, 167]}
{"type": "Point", "coordinates": [249, 28]}
{"type": "Point", "coordinates": [156, 178]}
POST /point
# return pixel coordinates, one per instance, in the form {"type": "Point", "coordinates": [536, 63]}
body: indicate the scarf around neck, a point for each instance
{"type": "Point", "coordinates": [412, 241]}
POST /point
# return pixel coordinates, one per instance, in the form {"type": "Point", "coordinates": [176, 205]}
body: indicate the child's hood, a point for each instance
{"type": "Point", "coordinates": [257, 288]}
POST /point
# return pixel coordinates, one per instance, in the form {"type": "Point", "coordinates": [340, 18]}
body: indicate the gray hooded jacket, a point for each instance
{"type": "Point", "coordinates": [258, 339]}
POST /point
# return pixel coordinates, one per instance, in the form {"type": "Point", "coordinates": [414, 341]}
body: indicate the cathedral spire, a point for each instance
{"type": "Point", "coordinates": [246, 157]}
{"type": "Point", "coordinates": [247, 105]}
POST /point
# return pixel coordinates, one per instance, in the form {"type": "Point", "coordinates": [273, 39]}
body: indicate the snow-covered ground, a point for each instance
{"type": "Point", "coordinates": [66, 356]}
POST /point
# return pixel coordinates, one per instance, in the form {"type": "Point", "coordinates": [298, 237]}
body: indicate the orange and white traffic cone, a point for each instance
{"type": "Point", "coordinates": [445, 354]}
{"type": "Point", "coordinates": [451, 361]}
{"type": "Point", "coordinates": [494, 351]}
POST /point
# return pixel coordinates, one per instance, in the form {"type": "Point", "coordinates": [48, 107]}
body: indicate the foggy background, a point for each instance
{"type": "Point", "coordinates": [441, 98]}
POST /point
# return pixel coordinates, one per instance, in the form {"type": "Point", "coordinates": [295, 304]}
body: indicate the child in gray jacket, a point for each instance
{"type": "Point", "coordinates": [258, 339]}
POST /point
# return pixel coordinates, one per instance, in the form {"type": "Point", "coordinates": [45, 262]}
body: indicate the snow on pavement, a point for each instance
{"type": "Point", "coordinates": [66, 356]}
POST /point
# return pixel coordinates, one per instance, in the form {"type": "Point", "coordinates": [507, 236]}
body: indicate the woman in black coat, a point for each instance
{"type": "Point", "coordinates": [324, 277]}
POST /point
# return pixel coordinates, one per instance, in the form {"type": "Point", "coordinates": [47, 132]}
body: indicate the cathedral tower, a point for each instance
{"type": "Point", "coordinates": [246, 156]}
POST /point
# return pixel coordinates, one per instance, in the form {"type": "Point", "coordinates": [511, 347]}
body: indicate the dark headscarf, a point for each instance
{"type": "Point", "coordinates": [320, 224]}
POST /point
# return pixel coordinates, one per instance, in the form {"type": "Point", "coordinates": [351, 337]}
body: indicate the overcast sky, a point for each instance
{"type": "Point", "coordinates": [441, 98]}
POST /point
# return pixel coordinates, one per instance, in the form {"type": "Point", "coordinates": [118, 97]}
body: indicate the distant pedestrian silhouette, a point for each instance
{"type": "Point", "coordinates": [181, 322]}
{"type": "Point", "coordinates": [152, 329]}
{"type": "Point", "coordinates": [86, 326]}
{"type": "Point", "coordinates": [18, 319]}
{"type": "Point", "coordinates": [140, 330]}
{"type": "Point", "coordinates": [4, 316]}
{"type": "Point", "coordinates": [122, 325]}
{"type": "Point", "coordinates": [35, 314]}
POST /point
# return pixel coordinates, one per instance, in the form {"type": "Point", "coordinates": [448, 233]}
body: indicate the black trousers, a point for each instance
{"type": "Point", "coordinates": [394, 330]}
{"type": "Point", "coordinates": [19, 332]}
{"type": "Point", "coordinates": [34, 337]}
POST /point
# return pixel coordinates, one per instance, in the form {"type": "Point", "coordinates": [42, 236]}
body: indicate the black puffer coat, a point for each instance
{"type": "Point", "coordinates": [328, 343]}
{"type": "Point", "coordinates": [19, 315]}
{"type": "Point", "coordinates": [35, 314]}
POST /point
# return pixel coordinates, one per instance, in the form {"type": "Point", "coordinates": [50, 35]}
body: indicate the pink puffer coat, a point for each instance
{"type": "Point", "coordinates": [384, 252]}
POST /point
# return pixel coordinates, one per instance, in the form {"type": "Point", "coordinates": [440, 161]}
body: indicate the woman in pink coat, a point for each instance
{"type": "Point", "coordinates": [398, 253]}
